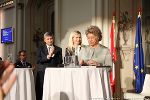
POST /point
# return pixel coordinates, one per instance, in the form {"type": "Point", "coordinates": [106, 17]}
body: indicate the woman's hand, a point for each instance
{"type": "Point", "coordinates": [81, 62]}
{"type": "Point", "coordinates": [92, 63]}
{"type": "Point", "coordinates": [7, 79]}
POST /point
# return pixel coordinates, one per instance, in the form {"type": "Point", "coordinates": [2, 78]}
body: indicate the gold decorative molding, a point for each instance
{"type": "Point", "coordinates": [6, 3]}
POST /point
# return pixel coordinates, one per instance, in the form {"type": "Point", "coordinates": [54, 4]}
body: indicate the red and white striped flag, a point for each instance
{"type": "Point", "coordinates": [113, 54]}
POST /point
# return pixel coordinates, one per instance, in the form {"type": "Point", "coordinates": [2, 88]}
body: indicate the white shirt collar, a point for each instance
{"type": "Point", "coordinates": [48, 46]}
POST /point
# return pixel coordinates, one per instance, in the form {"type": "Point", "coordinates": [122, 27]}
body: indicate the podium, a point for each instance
{"type": "Point", "coordinates": [76, 84]}
{"type": "Point", "coordinates": [23, 88]}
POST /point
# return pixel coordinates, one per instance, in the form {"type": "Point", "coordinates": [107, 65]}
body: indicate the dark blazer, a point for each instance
{"type": "Point", "coordinates": [42, 60]}
{"type": "Point", "coordinates": [19, 64]}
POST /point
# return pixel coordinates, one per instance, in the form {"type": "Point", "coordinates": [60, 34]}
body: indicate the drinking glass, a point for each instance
{"type": "Point", "coordinates": [70, 61]}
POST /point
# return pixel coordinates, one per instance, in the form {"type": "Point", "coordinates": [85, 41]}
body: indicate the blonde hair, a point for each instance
{"type": "Point", "coordinates": [70, 45]}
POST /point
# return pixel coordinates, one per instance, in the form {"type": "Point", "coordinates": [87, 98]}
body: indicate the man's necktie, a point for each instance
{"type": "Point", "coordinates": [23, 63]}
{"type": "Point", "coordinates": [49, 49]}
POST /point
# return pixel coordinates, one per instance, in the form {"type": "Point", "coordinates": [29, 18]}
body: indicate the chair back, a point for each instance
{"type": "Point", "coordinates": [146, 86]}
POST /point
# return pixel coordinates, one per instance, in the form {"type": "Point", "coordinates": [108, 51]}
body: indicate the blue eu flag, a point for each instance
{"type": "Point", "coordinates": [138, 58]}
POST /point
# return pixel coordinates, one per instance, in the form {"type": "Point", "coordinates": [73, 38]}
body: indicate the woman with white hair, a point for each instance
{"type": "Point", "coordinates": [74, 45]}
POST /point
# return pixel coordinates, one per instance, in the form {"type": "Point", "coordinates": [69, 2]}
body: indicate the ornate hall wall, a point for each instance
{"type": "Point", "coordinates": [31, 18]}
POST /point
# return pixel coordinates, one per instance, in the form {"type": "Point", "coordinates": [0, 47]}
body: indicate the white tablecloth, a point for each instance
{"type": "Point", "coordinates": [76, 84]}
{"type": "Point", "coordinates": [24, 88]}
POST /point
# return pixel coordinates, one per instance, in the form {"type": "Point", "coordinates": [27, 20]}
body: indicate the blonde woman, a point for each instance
{"type": "Point", "coordinates": [74, 45]}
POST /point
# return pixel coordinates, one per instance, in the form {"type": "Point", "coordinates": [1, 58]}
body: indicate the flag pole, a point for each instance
{"type": "Point", "coordinates": [139, 12]}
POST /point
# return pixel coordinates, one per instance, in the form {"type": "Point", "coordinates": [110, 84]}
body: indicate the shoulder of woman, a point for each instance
{"type": "Point", "coordinates": [102, 46]}
{"type": "Point", "coordinates": [83, 47]}
{"type": "Point", "coordinates": [68, 48]}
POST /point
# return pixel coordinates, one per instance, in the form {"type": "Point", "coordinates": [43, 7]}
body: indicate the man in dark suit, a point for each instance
{"type": "Point", "coordinates": [48, 55]}
{"type": "Point", "coordinates": [21, 62]}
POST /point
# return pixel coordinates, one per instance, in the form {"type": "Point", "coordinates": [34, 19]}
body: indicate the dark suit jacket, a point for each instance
{"type": "Point", "coordinates": [42, 60]}
{"type": "Point", "coordinates": [19, 64]}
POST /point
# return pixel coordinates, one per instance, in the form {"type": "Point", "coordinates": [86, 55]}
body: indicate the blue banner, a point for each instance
{"type": "Point", "coordinates": [138, 59]}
